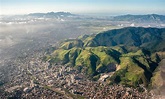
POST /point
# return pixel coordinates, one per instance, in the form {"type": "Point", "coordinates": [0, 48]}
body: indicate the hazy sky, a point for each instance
{"type": "Point", "coordinates": [83, 6]}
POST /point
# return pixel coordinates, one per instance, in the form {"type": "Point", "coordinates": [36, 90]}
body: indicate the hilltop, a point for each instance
{"type": "Point", "coordinates": [127, 56]}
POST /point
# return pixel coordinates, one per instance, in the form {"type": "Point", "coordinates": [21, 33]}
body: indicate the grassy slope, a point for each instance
{"type": "Point", "coordinates": [95, 60]}
{"type": "Point", "coordinates": [97, 53]}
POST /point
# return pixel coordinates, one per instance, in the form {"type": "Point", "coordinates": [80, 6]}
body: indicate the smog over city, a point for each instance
{"type": "Point", "coordinates": [82, 49]}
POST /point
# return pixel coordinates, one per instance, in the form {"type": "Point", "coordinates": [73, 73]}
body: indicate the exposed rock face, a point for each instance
{"type": "Point", "coordinates": [102, 78]}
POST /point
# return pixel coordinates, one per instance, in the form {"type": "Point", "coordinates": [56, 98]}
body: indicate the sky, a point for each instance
{"type": "Point", "coordinates": [113, 7]}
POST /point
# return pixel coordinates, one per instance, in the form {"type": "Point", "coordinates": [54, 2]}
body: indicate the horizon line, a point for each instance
{"type": "Point", "coordinates": [92, 13]}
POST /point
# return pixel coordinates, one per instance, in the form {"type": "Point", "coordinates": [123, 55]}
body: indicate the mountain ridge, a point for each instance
{"type": "Point", "coordinates": [52, 14]}
{"type": "Point", "coordinates": [95, 55]}
{"type": "Point", "coordinates": [130, 36]}
{"type": "Point", "coordinates": [141, 18]}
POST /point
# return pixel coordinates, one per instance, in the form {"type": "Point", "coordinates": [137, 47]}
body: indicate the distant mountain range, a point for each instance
{"type": "Point", "coordinates": [128, 52]}
{"type": "Point", "coordinates": [130, 18]}
{"type": "Point", "coordinates": [141, 18]}
{"type": "Point", "coordinates": [52, 14]}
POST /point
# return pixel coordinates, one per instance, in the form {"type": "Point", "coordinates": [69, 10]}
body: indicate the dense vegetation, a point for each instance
{"type": "Point", "coordinates": [128, 52]}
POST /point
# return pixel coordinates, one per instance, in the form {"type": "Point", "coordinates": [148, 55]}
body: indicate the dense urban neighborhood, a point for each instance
{"type": "Point", "coordinates": [33, 78]}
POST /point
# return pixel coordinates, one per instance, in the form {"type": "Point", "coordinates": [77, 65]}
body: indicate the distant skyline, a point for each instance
{"type": "Point", "coordinates": [110, 7]}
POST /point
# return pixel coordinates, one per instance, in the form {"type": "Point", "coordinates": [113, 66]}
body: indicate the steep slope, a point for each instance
{"type": "Point", "coordinates": [150, 38]}
{"type": "Point", "coordinates": [126, 52]}
{"type": "Point", "coordinates": [158, 79]}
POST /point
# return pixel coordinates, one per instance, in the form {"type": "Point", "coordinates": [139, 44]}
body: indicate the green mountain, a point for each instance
{"type": "Point", "coordinates": [150, 38]}
{"type": "Point", "coordinates": [128, 52]}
